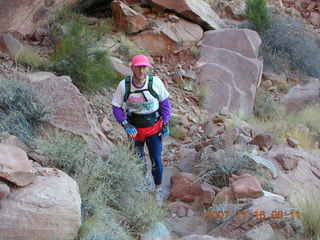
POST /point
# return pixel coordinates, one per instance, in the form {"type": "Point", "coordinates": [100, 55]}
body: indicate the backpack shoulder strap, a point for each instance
{"type": "Point", "coordinates": [127, 88]}
{"type": "Point", "coordinates": [150, 88]}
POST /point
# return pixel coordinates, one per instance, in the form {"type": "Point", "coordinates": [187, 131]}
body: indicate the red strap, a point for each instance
{"type": "Point", "coordinates": [148, 131]}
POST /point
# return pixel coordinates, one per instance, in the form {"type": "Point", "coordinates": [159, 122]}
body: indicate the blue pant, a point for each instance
{"type": "Point", "coordinates": [154, 144]}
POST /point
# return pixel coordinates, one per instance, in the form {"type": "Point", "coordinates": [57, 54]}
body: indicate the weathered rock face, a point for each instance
{"type": "Point", "coordinates": [127, 19]}
{"type": "Point", "coordinates": [246, 187]}
{"type": "Point", "coordinates": [168, 35]}
{"type": "Point", "coordinates": [71, 110]}
{"type": "Point", "coordinates": [47, 209]}
{"type": "Point", "coordinates": [300, 95]}
{"type": "Point", "coordinates": [195, 10]}
{"type": "Point", "coordinates": [4, 190]}
{"type": "Point", "coordinates": [243, 41]}
{"type": "Point", "coordinates": [15, 165]}
{"type": "Point", "coordinates": [10, 45]}
{"type": "Point", "coordinates": [300, 168]}
{"type": "Point", "coordinates": [120, 67]}
{"type": "Point", "coordinates": [23, 16]}
{"type": "Point", "coordinates": [187, 159]}
{"type": "Point", "coordinates": [230, 77]}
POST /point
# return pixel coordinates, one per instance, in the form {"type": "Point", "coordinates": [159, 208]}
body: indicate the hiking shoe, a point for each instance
{"type": "Point", "coordinates": [159, 196]}
{"type": "Point", "coordinates": [148, 182]}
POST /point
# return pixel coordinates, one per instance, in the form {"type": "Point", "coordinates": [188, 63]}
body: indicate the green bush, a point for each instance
{"type": "Point", "coordinates": [289, 46]}
{"type": "Point", "coordinates": [28, 57]}
{"type": "Point", "coordinates": [257, 13]}
{"type": "Point", "coordinates": [177, 130]}
{"type": "Point", "coordinates": [107, 185]}
{"type": "Point", "coordinates": [227, 162]}
{"type": "Point", "coordinates": [21, 109]}
{"type": "Point", "coordinates": [128, 48]}
{"type": "Point", "coordinates": [103, 225]}
{"type": "Point", "coordinates": [115, 183]}
{"type": "Point", "coordinates": [308, 210]}
{"type": "Point", "coordinates": [63, 151]}
{"type": "Point", "coordinates": [76, 54]}
{"type": "Point", "coordinates": [266, 108]}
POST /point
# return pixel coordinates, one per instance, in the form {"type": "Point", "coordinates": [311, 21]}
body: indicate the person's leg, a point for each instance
{"type": "Point", "coordinates": [154, 144]}
{"type": "Point", "coordinates": [139, 149]}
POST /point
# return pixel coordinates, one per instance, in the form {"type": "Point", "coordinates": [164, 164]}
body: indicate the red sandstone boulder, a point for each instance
{"type": "Point", "coordinates": [49, 208]}
{"type": "Point", "coordinates": [127, 19]}
{"type": "Point", "coordinates": [167, 36]}
{"type": "Point", "coordinates": [15, 166]}
{"type": "Point", "coordinates": [244, 41]}
{"type": "Point", "coordinates": [24, 16]}
{"type": "Point", "coordinates": [71, 110]}
{"type": "Point", "coordinates": [198, 11]}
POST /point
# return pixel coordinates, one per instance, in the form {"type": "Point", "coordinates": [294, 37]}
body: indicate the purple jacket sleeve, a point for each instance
{"type": "Point", "coordinates": [165, 110]}
{"type": "Point", "coordinates": [118, 113]}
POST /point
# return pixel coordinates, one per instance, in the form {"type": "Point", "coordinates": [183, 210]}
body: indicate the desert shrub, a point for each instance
{"type": "Point", "coordinates": [103, 226]}
{"type": "Point", "coordinates": [28, 57]}
{"type": "Point", "coordinates": [308, 210]}
{"type": "Point", "coordinates": [105, 183]}
{"type": "Point", "coordinates": [128, 48]}
{"type": "Point", "coordinates": [177, 130]}
{"type": "Point", "coordinates": [310, 117]}
{"type": "Point", "coordinates": [76, 54]}
{"type": "Point", "coordinates": [227, 162]}
{"type": "Point", "coordinates": [115, 183]}
{"type": "Point", "coordinates": [302, 126]}
{"type": "Point", "coordinates": [303, 135]}
{"type": "Point", "coordinates": [64, 151]}
{"type": "Point", "coordinates": [195, 51]}
{"type": "Point", "coordinates": [288, 43]}
{"type": "Point", "coordinates": [266, 108]}
{"type": "Point", "coordinates": [202, 94]}
{"type": "Point", "coordinates": [22, 109]}
{"type": "Point", "coordinates": [257, 13]}
{"type": "Point", "coordinates": [264, 178]}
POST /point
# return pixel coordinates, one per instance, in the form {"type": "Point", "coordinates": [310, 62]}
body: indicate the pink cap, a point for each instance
{"type": "Point", "coordinates": [140, 60]}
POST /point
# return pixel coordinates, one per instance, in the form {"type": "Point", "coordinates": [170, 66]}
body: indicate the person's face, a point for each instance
{"type": "Point", "coordinates": [140, 72]}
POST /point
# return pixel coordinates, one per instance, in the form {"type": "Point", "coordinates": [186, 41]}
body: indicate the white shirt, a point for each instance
{"type": "Point", "coordinates": [136, 103]}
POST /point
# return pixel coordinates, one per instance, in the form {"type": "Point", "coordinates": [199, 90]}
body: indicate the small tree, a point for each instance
{"type": "Point", "coordinates": [257, 13]}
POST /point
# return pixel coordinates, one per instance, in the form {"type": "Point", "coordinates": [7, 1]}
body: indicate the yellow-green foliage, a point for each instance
{"type": "Point", "coordinates": [107, 185]}
{"type": "Point", "coordinates": [64, 151]}
{"type": "Point", "coordinates": [307, 204]}
{"type": "Point", "coordinates": [303, 126]}
{"type": "Point", "coordinates": [264, 178]}
{"type": "Point", "coordinates": [77, 54]}
{"type": "Point", "coordinates": [129, 49]}
{"type": "Point", "coordinates": [103, 225]}
{"type": "Point", "coordinates": [27, 56]}
{"type": "Point", "coordinates": [177, 130]}
{"type": "Point", "coordinates": [266, 108]}
{"type": "Point", "coordinates": [137, 8]}
{"type": "Point", "coordinates": [202, 93]}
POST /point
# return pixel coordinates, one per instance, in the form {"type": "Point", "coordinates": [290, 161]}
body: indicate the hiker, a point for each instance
{"type": "Point", "coordinates": [141, 105]}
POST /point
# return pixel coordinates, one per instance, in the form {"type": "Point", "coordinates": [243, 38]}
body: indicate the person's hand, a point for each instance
{"type": "Point", "coordinates": [130, 129]}
{"type": "Point", "coordinates": [165, 132]}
